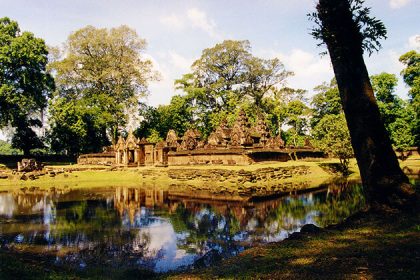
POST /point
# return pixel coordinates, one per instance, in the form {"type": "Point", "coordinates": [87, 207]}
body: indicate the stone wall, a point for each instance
{"type": "Point", "coordinates": [208, 159]}
{"type": "Point", "coordinates": [97, 159]}
{"type": "Point", "coordinates": [238, 176]}
{"type": "Point", "coordinates": [238, 156]}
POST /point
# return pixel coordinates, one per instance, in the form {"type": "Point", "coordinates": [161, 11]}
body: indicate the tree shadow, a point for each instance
{"type": "Point", "coordinates": [373, 245]}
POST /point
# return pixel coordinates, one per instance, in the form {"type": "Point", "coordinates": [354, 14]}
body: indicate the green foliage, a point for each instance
{"type": "Point", "coordinates": [103, 69]}
{"type": "Point", "coordinates": [177, 115]}
{"type": "Point", "coordinates": [75, 128]}
{"type": "Point", "coordinates": [411, 76]}
{"type": "Point", "coordinates": [154, 137]}
{"type": "Point", "coordinates": [261, 78]}
{"type": "Point", "coordinates": [370, 29]}
{"type": "Point", "coordinates": [384, 86]}
{"type": "Point", "coordinates": [102, 74]}
{"type": "Point", "coordinates": [329, 126]}
{"type": "Point", "coordinates": [326, 102]}
{"type": "Point", "coordinates": [396, 114]}
{"type": "Point", "coordinates": [332, 136]}
{"type": "Point", "coordinates": [7, 149]}
{"type": "Point", "coordinates": [25, 84]}
{"type": "Point", "coordinates": [296, 115]}
{"type": "Point", "coordinates": [227, 77]}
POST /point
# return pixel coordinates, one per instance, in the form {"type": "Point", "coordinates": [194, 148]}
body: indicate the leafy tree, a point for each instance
{"type": "Point", "coordinates": [105, 69]}
{"type": "Point", "coordinates": [154, 137]}
{"type": "Point", "coordinates": [348, 30]}
{"type": "Point", "coordinates": [177, 115]}
{"type": "Point", "coordinates": [384, 86]}
{"type": "Point", "coordinates": [25, 84]}
{"type": "Point", "coordinates": [329, 127]}
{"type": "Point", "coordinates": [332, 136]}
{"type": "Point", "coordinates": [7, 149]}
{"type": "Point", "coordinates": [75, 128]}
{"type": "Point", "coordinates": [276, 108]}
{"type": "Point", "coordinates": [411, 76]}
{"type": "Point", "coordinates": [227, 77]}
{"type": "Point", "coordinates": [325, 102]}
{"type": "Point", "coordinates": [296, 115]}
{"type": "Point", "coordinates": [151, 119]}
{"type": "Point", "coordinates": [395, 113]}
{"type": "Point", "coordinates": [261, 78]}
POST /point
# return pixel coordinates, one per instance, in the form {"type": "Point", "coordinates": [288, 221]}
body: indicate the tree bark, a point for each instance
{"type": "Point", "coordinates": [379, 168]}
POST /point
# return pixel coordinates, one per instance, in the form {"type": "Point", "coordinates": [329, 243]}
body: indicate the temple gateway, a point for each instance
{"type": "Point", "coordinates": [240, 144]}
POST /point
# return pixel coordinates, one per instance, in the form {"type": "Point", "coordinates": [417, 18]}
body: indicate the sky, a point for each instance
{"type": "Point", "coordinates": [177, 31]}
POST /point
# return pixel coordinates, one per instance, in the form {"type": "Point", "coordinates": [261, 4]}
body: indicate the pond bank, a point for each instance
{"type": "Point", "coordinates": [258, 179]}
{"type": "Point", "coordinates": [378, 244]}
{"type": "Point", "coordinates": [271, 177]}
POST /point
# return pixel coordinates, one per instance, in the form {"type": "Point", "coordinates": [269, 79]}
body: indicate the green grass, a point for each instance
{"type": "Point", "coordinates": [155, 176]}
{"type": "Point", "coordinates": [79, 179]}
{"type": "Point", "coordinates": [88, 178]}
{"type": "Point", "coordinates": [23, 266]}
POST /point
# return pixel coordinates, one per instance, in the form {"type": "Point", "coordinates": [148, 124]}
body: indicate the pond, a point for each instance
{"type": "Point", "coordinates": [160, 230]}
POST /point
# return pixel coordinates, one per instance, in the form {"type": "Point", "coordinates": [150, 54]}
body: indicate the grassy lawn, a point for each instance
{"type": "Point", "coordinates": [90, 177]}
{"type": "Point", "coordinates": [102, 176]}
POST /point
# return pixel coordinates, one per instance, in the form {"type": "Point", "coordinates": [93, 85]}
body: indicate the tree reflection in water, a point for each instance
{"type": "Point", "coordinates": [160, 230]}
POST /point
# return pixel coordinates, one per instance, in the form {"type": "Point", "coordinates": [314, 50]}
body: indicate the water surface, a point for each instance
{"type": "Point", "coordinates": [156, 229]}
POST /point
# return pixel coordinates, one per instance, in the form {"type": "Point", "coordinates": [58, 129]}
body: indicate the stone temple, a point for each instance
{"type": "Point", "coordinates": [241, 144]}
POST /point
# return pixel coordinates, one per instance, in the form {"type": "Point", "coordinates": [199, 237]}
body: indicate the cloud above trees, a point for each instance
{"type": "Point", "coordinates": [396, 4]}
{"type": "Point", "coordinates": [195, 18]}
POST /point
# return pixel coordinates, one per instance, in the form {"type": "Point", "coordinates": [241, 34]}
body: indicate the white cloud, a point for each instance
{"type": "Point", "coordinates": [171, 65]}
{"type": "Point", "coordinates": [200, 20]}
{"type": "Point", "coordinates": [194, 18]}
{"type": "Point", "coordinates": [396, 4]}
{"type": "Point", "coordinates": [414, 42]}
{"type": "Point", "coordinates": [309, 69]}
{"type": "Point", "coordinates": [172, 21]}
{"type": "Point", "coordinates": [180, 62]}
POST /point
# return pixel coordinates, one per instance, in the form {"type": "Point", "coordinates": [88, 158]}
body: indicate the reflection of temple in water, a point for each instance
{"type": "Point", "coordinates": [243, 209]}
{"type": "Point", "coordinates": [132, 199]}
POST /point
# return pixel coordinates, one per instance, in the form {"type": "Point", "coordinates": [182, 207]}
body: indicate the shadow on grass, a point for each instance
{"type": "Point", "coordinates": [18, 265]}
{"type": "Point", "coordinates": [371, 245]}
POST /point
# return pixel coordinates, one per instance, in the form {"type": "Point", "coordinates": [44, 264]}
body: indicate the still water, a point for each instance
{"type": "Point", "coordinates": [156, 229]}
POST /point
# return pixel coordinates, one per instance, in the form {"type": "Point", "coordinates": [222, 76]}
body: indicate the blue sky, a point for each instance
{"type": "Point", "coordinates": [177, 32]}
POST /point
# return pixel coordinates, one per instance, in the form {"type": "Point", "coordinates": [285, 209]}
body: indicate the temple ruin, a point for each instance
{"type": "Point", "coordinates": [241, 144]}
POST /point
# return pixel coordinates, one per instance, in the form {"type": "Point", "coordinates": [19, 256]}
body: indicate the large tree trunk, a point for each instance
{"type": "Point", "coordinates": [378, 164]}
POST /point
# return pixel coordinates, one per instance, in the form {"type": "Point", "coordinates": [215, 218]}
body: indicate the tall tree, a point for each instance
{"type": "Point", "coordinates": [217, 73]}
{"type": "Point", "coordinates": [227, 77]}
{"type": "Point", "coordinates": [411, 76]}
{"type": "Point", "coordinates": [329, 127]}
{"type": "Point", "coordinates": [176, 115]}
{"type": "Point", "coordinates": [325, 102]}
{"type": "Point", "coordinates": [76, 127]}
{"type": "Point", "coordinates": [332, 137]}
{"type": "Point", "coordinates": [262, 77]}
{"type": "Point", "coordinates": [296, 115]}
{"type": "Point", "coordinates": [25, 85]}
{"type": "Point", "coordinates": [105, 68]}
{"type": "Point", "coordinates": [348, 30]}
{"type": "Point", "coordinates": [396, 114]}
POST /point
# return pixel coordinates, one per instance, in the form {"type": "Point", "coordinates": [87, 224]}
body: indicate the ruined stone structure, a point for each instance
{"type": "Point", "coordinates": [241, 144]}
{"type": "Point", "coordinates": [28, 165]}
